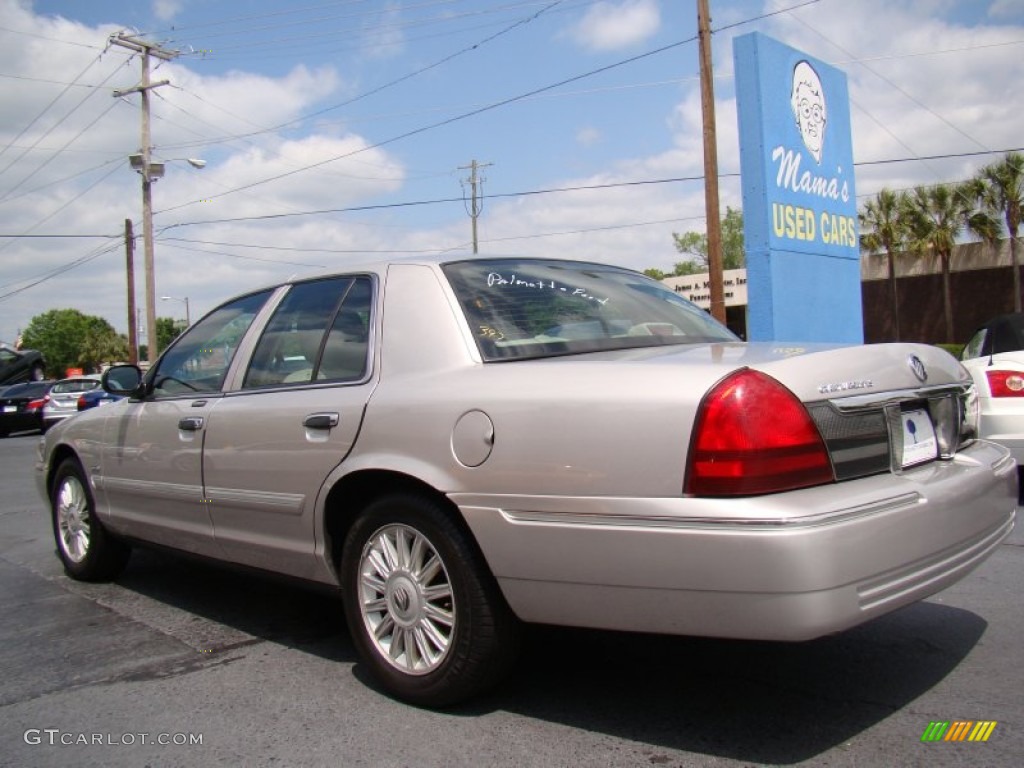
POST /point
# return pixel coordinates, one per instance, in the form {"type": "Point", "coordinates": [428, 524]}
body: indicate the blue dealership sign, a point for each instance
{"type": "Point", "coordinates": [799, 204]}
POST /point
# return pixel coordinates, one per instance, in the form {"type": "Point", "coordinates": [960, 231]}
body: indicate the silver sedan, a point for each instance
{"type": "Point", "coordinates": [464, 446]}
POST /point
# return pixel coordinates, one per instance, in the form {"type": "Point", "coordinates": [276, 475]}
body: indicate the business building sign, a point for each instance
{"type": "Point", "coordinates": [799, 204]}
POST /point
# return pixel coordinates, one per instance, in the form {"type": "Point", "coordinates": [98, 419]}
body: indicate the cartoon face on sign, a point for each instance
{"type": "Point", "coordinates": [808, 102]}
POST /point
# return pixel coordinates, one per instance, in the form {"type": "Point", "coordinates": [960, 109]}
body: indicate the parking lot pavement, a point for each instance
{"type": "Point", "coordinates": [227, 668]}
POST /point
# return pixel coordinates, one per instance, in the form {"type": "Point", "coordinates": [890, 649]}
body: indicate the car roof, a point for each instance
{"type": "Point", "coordinates": [1007, 333]}
{"type": "Point", "coordinates": [380, 266]}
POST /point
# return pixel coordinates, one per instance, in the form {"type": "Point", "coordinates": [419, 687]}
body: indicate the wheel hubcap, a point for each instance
{"type": "Point", "coordinates": [73, 521]}
{"type": "Point", "coordinates": [405, 597]}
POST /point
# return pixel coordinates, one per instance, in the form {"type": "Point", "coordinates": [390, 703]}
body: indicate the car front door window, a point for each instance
{"type": "Point", "coordinates": [198, 361]}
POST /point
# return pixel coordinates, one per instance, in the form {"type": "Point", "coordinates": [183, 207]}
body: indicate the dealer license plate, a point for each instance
{"type": "Point", "coordinates": [919, 443]}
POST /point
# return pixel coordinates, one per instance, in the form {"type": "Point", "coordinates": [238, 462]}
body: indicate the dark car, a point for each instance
{"type": "Point", "coordinates": [20, 365]}
{"type": "Point", "coordinates": [21, 406]}
{"type": "Point", "coordinates": [95, 397]}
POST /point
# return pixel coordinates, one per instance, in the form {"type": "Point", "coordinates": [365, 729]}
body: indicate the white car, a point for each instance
{"type": "Point", "coordinates": [62, 399]}
{"type": "Point", "coordinates": [994, 356]}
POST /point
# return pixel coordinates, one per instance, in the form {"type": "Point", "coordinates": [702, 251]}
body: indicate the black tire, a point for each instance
{"type": "Point", "coordinates": [87, 550]}
{"type": "Point", "coordinates": [37, 373]}
{"type": "Point", "coordinates": [438, 575]}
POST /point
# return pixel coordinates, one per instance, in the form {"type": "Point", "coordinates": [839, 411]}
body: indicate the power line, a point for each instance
{"type": "Point", "coordinates": [56, 154]}
{"type": "Point", "coordinates": [474, 112]}
{"type": "Point", "coordinates": [50, 39]}
{"type": "Point", "coordinates": [95, 254]}
{"type": "Point", "coordinates": [43, 112]}
{"type": "Point", "coordinates": [500, 195]}
{"type": "Point", "coordinates": [389, 84]}
{"type": "Point", "coordinates": [73, 200]}
{"type": "Point", "coordinates": [448, 121]}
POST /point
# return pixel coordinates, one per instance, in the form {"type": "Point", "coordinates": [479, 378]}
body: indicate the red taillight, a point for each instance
{"type": "Point", "coordinates": [81, 402]}
{"type": "Point", "coordinates": [35, 405]}
{"type": "Point", "coordinates": [751, 436]}
{"type": "Point", "coordinates": [1005, 383]}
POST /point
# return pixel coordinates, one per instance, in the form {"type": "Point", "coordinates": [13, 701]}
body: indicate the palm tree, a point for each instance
{"type": "Point", "coordinates": [936, 216]}
{"type": "Point", "coordinates": [884, 228]}
{"type": "Point", "coordinates": [1002, 194]}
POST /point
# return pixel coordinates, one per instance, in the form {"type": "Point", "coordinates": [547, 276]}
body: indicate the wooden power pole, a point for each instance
{"type": "Point", "coordinates": [150, 171]}
{"type": "Point", "coordinates": [714, 219]}
{"type": "Point", "coordinates": [129, 247]}
{"type": "Point", "coordinates": [476, 204]}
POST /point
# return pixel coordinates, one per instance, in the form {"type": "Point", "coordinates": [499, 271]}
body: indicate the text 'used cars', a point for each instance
{"type": "Point", "coordinates": [463, 446]}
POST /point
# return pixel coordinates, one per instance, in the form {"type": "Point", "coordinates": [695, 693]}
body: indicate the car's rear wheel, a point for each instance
{"type": "Point", "coordinates": [89, 552]}
{"type": "Point", "coordinates": [37, 373]}
{"type": "Point", "coordinates": [423, 610]}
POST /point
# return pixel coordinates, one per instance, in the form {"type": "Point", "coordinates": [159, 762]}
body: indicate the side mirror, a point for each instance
{"type": "Point", "coordinates": [121, 379]}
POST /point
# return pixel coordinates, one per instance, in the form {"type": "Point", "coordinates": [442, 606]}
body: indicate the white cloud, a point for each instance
{"type": "Point", "coordinates": [609, 26]}
{"type": "Point", "coordinates": [165, 10]}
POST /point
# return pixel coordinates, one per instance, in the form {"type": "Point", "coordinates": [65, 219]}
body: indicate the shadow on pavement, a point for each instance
{"type": "Point", "coordinates": [759, 702]}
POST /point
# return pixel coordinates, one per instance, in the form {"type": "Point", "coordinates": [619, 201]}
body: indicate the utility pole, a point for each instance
{"type": "Point", "coordinates": [476, 205]}
{"type": "Point", "coordinates": [129, 247]}
{"type": "Point", "coordinates": [714, 219]}
{"type": "Point", "coordinates": [150, 171]}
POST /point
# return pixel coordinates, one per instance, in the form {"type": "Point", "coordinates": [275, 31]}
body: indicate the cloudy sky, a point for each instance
{"type": "Point", "coordinates": [336, 130]}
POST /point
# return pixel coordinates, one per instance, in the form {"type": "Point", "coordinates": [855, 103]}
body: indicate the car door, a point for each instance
{"type": "Point", "coordinates": [295, 415]}
{"type": "Point", "coordinates": [150, 477]}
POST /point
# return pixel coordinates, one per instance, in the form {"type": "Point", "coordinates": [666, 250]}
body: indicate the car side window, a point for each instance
{"type": "Point", "coordinates": [198, 360]}
{"type": "Point", "coordinates": [318, 333]}
{"type": "Point", "coordinates": [973, 347]}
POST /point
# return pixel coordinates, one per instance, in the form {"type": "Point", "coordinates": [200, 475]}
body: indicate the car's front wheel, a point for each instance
{"type": "Point", "coordinates": [89, 552]}
{"type": "Point", "coordinates": [424, 611]}
{"type": "Point", "coordinates": [37, 373]}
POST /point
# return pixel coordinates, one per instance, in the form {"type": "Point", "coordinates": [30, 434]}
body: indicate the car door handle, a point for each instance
{"type": "Point", "coordinates": [320, 420]}
{"type": "Point", "coordinates": [191, 424]}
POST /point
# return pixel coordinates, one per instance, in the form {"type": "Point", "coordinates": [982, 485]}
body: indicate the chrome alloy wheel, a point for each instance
{"type": "Point", "coordinates": [73, 519]}
{"type": "Point", "coordinates": [406, 599]}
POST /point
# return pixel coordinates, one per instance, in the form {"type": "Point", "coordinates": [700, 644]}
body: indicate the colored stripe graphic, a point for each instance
{"type": "Point", "coordinates": [935, 731]}
{"type": "Point", "coordinates": [958, 730]}
{"type": "Point", "coordinates": [982, 730]}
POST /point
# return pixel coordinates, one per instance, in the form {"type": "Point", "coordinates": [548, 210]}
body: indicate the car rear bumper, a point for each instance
{"type": "Point", "coordinates": [790, 566]}
{"type": "Point", "coordinates": [1005, 428]}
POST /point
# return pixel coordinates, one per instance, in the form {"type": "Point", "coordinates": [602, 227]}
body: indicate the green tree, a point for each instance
{"type": "Point", "coordinates": [657, 274]}
{"type": "Point", "coordinates": [884, 227]}
{"type": "Point", "coordinates": [102, 345]}
{"type": "Point", "coordinates": [936, 216]}
{"type": "Point", "coordinates": [167, 330]}
{"type": "Point", "coordinates": [695, 244]}
{"type": "Point", "coordinates": [1001, 193]}
{"type": "Point", "coordinates": [70, 339]}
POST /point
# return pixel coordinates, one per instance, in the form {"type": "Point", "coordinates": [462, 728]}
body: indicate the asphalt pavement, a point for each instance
{"type": "Point", "coordinates": [183, 663]}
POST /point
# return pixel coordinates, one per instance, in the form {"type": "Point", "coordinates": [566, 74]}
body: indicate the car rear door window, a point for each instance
{"type": "Point", "coordinates": [320, 332]}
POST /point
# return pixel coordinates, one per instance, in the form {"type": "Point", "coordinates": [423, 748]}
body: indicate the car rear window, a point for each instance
{"type": "Point", "coordinates": [530, 308]}
{"type": "Point", "coordinates": [30, 390]}
{"type": "Point", "coordinates": [79, 385]}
